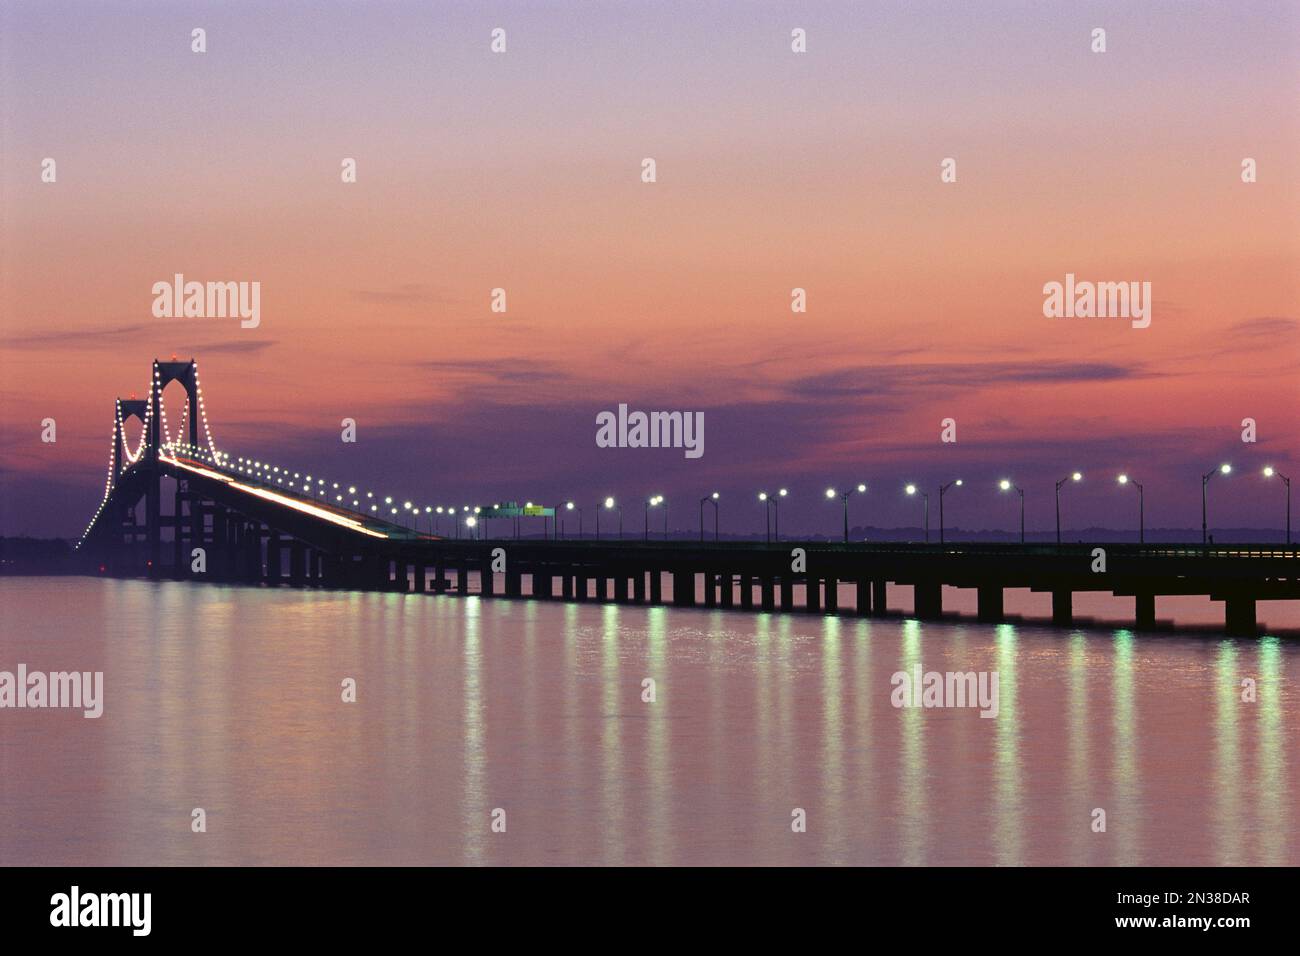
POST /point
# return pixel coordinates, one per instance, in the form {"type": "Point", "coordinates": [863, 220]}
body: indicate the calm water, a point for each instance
{"type": "Point", "coordinates": [229, 699]}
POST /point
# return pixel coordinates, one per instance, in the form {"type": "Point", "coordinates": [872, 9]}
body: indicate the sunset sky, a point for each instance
{"type": "Point", "coordinates": [776, 170]}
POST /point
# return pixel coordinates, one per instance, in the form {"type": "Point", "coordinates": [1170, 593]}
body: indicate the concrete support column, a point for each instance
{"type": "Point", "coordinates": [638, 587]}
{"type": "Point", "coordinates": [486, 579]}
{"type": "Point", "coordinates": [1145, 610]}
{"type": "Point", "coordinates": [273, 558]}
{"type": "Point", "coordinates": [514, 582]}
{"type": "Point", "coordinates": [766, 593]}
{"type": "Point", "coordinates": [864, 597]}
{"type": "Point", "coordinates": [462, 578]}
{"type": "Point", "coordinates": [787, 593]}
{"type": "Point", "coordinates": [927, 600]}
{"type": "Point", "coordinates": [989, 604]}
{"type": "Point", "coordinates": [580, 587]}
{"type": "Point", "coordinates": [812, 589]}
{"type": "Point", "coordinates": [620, 588]}
{"type": "Point", "coordinates": [602, 588]}
{"type": "Point", "coordinates": [1062, 608]}
{"type": "Point", "coordinates": [710, 594]}
{"type": "Point", "coordinates": [297, 564]}
{"type": "Point", "coordinates": [1239, 616]}
{"type": "Point", "coordinates": [879, 597]}
{"type": "Point", "coordinates": [727, 582]}
{"type": "Point", "coordinates": [180, 567]}
{"type": "Point", "coordinates": [832, 595]}
{"type": "Point", "coordinates": [684, 588]}
{"type": "Point", "coordinates": [566, 586]}
{"type": "Point", "coordinates": [656, 586]}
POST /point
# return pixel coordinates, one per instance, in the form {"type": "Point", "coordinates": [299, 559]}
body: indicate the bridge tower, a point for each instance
{"type": "Point", "coordinates": [164, 373]}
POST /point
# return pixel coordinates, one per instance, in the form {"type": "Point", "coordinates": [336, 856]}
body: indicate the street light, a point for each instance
{"type": "Point", "coordinates": [912, 490]}
{"type": "Point", "coordinates": [1205, 480]}
{"type": "Point", "coordinates": [1006, 485]}
{"type": "Point", "coordinates": [767, 517]}
{"type": "Point", "coordinates": [942, 490]}
{"type": "Point", "coordinates": [1076, 476]}
{"type": "Point", "coordinates": [650, 503]}
{"type": "Point", "coordinates": [844, 499]}
{"type": "Point", "coordinates": [568, 506]}
{"type": "Point", "coordinates": [1269, 472]}
{"type": "Point", "coordinates": [713, 498]}
{"type": "Point", "coordinates": [607, 504]}
{"type": "Point", "coordinates": [1124, 480]}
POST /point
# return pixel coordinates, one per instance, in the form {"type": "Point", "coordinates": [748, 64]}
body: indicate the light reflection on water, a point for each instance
{"type": "Point", "coordinates": [229, 699]}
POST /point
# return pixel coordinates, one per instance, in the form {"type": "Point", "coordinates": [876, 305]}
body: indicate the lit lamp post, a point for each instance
{"type": "Point", "coordinates": [1269, 472]}
{"type": "Point", "coordinates": [844, 499]}
{"type": "Point", "coordinates": [1006, 485]}
{"type": "Point", "coordinates": [470, 523]}
{"type": "Point", "coordinates": [912, 490]}
{"type": "Point", "coordinates": [714, 499]}
{"type": "Point", "coordinates": [1076, 476]}
{"type": "Point", "coordinates": [608, 504]}
{"type": "Point", "coordinates": [942, 490]}
{"type": "Point", "coordinates": [1125, 480]}
{"type": "Point", "coordinates": [1205, 480]}
{"type": "Point", "coordinates": [650, 503]}
{"type": "Point", "coordinates": [767, 517]}
{"type": "Point", "coordinates": [569, 506]}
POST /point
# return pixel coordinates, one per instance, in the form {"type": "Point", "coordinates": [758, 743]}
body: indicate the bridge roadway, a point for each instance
{"type": "Point", "coordinates": [254, 532]}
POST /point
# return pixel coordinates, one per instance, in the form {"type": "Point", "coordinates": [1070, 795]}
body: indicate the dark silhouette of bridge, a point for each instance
{"type": "Point", "coordinates": [233, 522]}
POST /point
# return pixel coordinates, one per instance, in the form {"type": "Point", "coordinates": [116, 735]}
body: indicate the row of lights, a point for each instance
{"type": "Point", "coordinates": [772, 504]}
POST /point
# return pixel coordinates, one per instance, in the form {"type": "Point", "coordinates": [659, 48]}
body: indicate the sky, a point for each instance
{"type": "Point", "coordinates": [775, 170]}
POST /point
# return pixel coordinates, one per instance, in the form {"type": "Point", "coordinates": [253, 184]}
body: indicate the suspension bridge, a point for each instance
{"type": "Point", "coordinates": [236, 520]}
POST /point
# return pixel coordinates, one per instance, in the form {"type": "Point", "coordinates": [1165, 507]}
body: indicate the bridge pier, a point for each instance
{"type": "Point", "coordinates": [602, 588]}
{"type": "Point", "coordinates": [863, 607]}
{"type": "Point", "coordinates": [566, 586]}
{"type": "Point", "coordinates": [710, 594]}
{"type": "Point", "coordinates": [620, 588]}
{"type": "Point", "coordinates": [273, 562]}
{"type": "Point", "coordinates": [728, 584]}
{"type": "Point", "coordinates": [180, 567]}
{"type": "Point", "coordinates": [1145, 611]}
{"type": "Point", "coordinates": [1239, 616]}
{"type": "Point", "coordinates": [656, 586]}
{"type": "Point", "coordinates": [462, 578]}
{"type": "Point", "coordinates": [927, 600]}
{"type": "Point", "coordinates": [638, 587]}
{"type": "Point", "coordinates": [580, 587]}
{"type": "Point", "coordinates": [879, 597]}
{"type": "Point", "coordinates": [297, 564]}
{"type": "Point", "coordinates": [684, 588]}
{"type": "Point", "coordinates": [787, 593]}
{"type": "Point", "coordinates": [812, 594]}
{"type": "Point", "coordinates": [766, 593]}
{"type": "Point", "coordinates": [832, 595]}
{"type": "Point", "coordinates": [989, 604]}
{"type": "Point", "coordinates": [514, 582]}
{"type": "Point", "coordinates": [1062, 608]}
